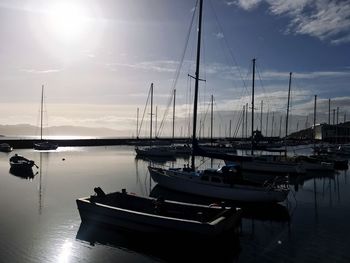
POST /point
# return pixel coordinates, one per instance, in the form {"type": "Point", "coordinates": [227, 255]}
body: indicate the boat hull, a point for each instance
{"type": "Point", "coordinates": [141, 221]}
{"type": "Point", "coordinates": [269, 167]}
{"type": "Point", "coordinates": [175, 180]}
{"type": "Point", "coordinates": [45, 146]}
{"type": "Point", "coordinates": [155, 152]}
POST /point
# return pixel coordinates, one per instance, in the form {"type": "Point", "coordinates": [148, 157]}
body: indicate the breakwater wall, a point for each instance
{"type": "Point", "coordinates": [28, 143]}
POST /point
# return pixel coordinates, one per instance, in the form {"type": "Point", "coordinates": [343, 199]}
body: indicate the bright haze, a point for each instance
{"type": "Point", "coordinates": [98, 58]}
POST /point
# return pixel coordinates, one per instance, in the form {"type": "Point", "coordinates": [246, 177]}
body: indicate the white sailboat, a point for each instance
{"type": "Point", "coordinates": [224, 183]}
{"type": "Point", "coordinates": [43, 145]}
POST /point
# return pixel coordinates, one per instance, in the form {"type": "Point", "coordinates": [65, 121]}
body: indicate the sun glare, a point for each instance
{"type": "Point", "coordinates": [67, 21]}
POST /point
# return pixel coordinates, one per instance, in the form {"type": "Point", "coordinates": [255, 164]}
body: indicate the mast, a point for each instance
{"type": "Point", "coordinates": [261, 115]}
{"type": "Point", "coordinates": [41, 112]}
{"type": "Point", "coordinates": [174, 114]}
{"type": "Point", "coordinates": [243, 121]}
{"type": "Point", "coordinates": [337, 115]}
{"type": "Point", "coordinates": [290, 83]}
{"type": "Point", "coordinates": [194, 142]}
{"type": "Point", "coordinates": [253, 87]}
{"type": "Point", "coordinates": [315, 122]}
{"type": "Point", "coordinates": [246, 120]}
{"type": "Point", "coordinates": [137, 124]}
{"type": "Point", "coordinates": [150, 136]}
{"type": "Point", "coordinates": [267, 120]}
{"type": "Point", "coordinates": [211, 119]}
{"type": "Point", "coordinates": [272, 123]}
{"type": "Point", "coordinates": [329, 111]}
{"type": "Point", "coordinates": [156, 128]}
{"type": "Point", "coordinates": [280, 131]}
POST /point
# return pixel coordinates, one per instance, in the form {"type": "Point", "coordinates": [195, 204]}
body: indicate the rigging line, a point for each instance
{"type": "Point", "coordinates": [205, 113]}
{"type": "Point", "coordinates": [229, 62]}
{"type": "Point", "coordinates": [144, 111]}
{"type": "Point", "coordinates": [230, 51]}
{"type": "Point", "coordinates": [189, 92]}
{"type": "Point", "coordinates": [231, 54]}
{"type": "Point", "coordinates": [257, 67]}
{"type": "Point", "coordinates": [218, 112]}
{"type": "Point", "coordinates": [238, 125]}
{"type": "Point", "coordinates": [178, 70]}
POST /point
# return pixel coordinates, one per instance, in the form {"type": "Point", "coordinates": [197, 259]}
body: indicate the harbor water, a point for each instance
{"type": "Point", "coordinates": [40, 221]}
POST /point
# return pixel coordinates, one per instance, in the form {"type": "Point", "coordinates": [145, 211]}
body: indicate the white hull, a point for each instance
{"type": "Point", "coordinates": [191, 183]}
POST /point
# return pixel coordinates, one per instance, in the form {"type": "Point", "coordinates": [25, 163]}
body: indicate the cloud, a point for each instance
{"type": "Point", "coordinates": [279, 75]}
{"type": "Point", "coordinates": [157, 66]}
{"type": "Point", "coordinates": [324, 19]}
{"type": "Point", "coordinates": [45, 71]}
{"type": "Point", "coordinates": [219, 35]}
{"type": "Point", "coordinates": [245, 4]}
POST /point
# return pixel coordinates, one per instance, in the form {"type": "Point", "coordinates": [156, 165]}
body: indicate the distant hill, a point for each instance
{"type": "Point", "coordinates": [30, 130]}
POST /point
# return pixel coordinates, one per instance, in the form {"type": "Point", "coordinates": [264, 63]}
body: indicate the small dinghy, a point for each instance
{"type": "Point", "coordinates": [20, 163]}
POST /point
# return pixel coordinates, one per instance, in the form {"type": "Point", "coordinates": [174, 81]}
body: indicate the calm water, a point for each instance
{"type": "Point", "coordinates": [40, 222]}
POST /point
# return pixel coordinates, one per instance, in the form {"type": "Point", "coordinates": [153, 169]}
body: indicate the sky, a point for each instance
{"type": "Point", "coordinates": [98, 58]}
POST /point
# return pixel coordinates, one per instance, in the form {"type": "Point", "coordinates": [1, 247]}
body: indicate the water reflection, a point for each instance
{"type": "Point", "coordinates": [168, 248]}
{"type": "Point", "coordinates": [27, 174]}
{"type": "Point", "coordinates": [270, 212]}
{"type": "Point", "coordinates": [65, 253]}
{"type": "Point", "coordinates": [299, 180]}
{"type": "Point", "coordinates": [156, 160]}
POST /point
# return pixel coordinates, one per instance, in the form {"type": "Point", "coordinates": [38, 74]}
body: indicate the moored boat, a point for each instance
{"type": "Point", "coordinates": [155, 151]}
{"type": "Point", "coordinates": [151, 215]}
{"type": "Point", "coordinates": [45, 145]}
{"type": "Point", "coordinates": [225, 183]}
{"type": "Point", "coordinates": [271, 164]}
{"type": "Point", "coordinates": [19, 163]}
{"type": "Point", "coordinates": [5, 147]}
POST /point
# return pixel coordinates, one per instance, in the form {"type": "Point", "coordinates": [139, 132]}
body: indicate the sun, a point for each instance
{"type": "Point", "coordinates": [67, 21]}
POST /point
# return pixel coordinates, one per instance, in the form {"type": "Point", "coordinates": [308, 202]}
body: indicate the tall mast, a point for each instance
{"type": "Point", "coordinates": [137, 123]}
{"type": "Point", "coordinates": [246, 120]}
{"type": "Point", "coordinates": [156, 128]}
{"type": "Point", "coordinates": [261, 115]}
{"type": "Point", "coordinates": [253, 87]}
{"type": "Point", "coordinates": [285, 139]}
{"type": "Point", "coordinates": [41, 112]}
{"type": "Point", "coordinates": [211, 119]}
{"type": "Point", "coordinates": [174, 114]}
{"type": "Point", "coordinates": [329, 111]}
{"type": "Point", "coordinates": [194, 142]}
{"type": "Point", "coordinates": [243, 121]}
{"type": "Point", "coordinates": [267, 120]}
{"type": "Point", "coordinates": [315, 122]}
{"type": "Point", "coordinates": [272, 123]}
{"type": "Point", "coordinates": [280, 131]}
{"type": "Point", "coordinates": [150, 136]}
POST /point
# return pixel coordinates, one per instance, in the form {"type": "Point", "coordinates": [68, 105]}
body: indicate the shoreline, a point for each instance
{"type": "Point", "coordinates": [28, 143]}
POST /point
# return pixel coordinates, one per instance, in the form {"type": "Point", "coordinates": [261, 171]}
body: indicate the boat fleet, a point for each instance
{"type": "Point", "coordinates": [225, 184]}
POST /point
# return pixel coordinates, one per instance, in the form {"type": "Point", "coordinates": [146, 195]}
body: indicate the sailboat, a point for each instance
{"type": "Point", "coordinates": [153, 151]}
{"type": "Point", "coordinates": [224, 183]}
{"type": "Point", "coordinates": [43, 145]}
{"type": "Point", "coordinates": [271, 164]}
